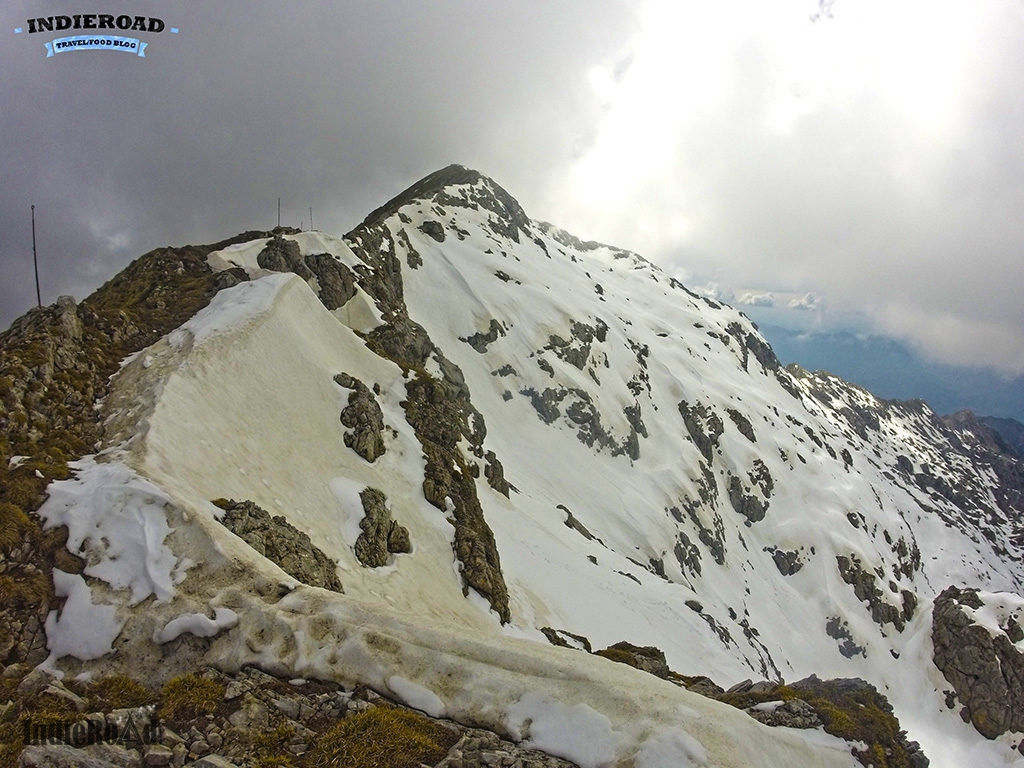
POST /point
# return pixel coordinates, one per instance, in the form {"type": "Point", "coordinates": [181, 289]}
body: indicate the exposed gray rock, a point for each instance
{"type": "Point", "coordinates": [441, 417]}
{"type": "Point", "coordinates": [787, 562]}
{"type": "Point", "coordinates": [839, 630]}
{"type": "Point", "coordinates": [380, 535]}
{"type": "Point", "coordinates": [364, 419]}
{"type": "Point", "coordinates": [337, 282]}
{"type": "Point", "coordinates": [704, 425]}
{"type": "Point", "coordinates": [62, 756]}
{"type": "Point", "coordinates": [479, 341]}
{"type": "Point", "coordinates": [866, 590]}
{"type": "Point", "coordinates": [986, 671]}
{"type": "Point", "coordinates": [742, 424]}
{"type": "Point", "coordinates": [795, 713]}
{"type": "Point", "coordinates": [434, 229]}
{"type": "Point", "coordinates": [281, 542]}
{"type": "Point", "coordinates": [748, 505]}
{"type": "Point", "coordinates": [495, 474]}
{"type": "Point", "coordinates": [576, 525]}
{"type": "Point", "coordinates": [565, 639]}
{"type": "Point", "coordinates": [283, 255]}
{"type": "Point", "coordinates": [646, 658]}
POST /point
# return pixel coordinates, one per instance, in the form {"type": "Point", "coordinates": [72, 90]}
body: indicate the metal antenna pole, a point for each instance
{"type": "Point", "coordinates": [279, 211]}
{"type": "Point", "coordinates": [311, 217]}
{"type": "Point", "coordinates": [35, 260]}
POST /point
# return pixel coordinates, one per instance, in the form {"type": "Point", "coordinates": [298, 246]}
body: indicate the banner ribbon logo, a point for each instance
{"type": "Point", "coordinates": [96, 43]}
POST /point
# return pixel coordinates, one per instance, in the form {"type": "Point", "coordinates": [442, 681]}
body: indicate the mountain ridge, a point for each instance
{"type": "Point", "coordinates": [473, 340]}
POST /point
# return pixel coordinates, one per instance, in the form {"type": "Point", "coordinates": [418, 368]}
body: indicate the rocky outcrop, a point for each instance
{"type": "Point", "coordinates": [704, 425]}
{"type": "Point", "coordinates": [258, 720]}
{"type": "Point", "coordinates": [364, 419]}
{"type": "Point", "coordinates": [280, 542]}
{"type": "Point", "coordinates": [381, 536]}
{"type": "Point", "coordinates": [55, 364]}
{"type": "Point", "coordinates": [441, 418]}
{"type": "Point", "coordinates": [437, 407]}
{"type": "Point", "coordinates": [795, 713]}
{"type": "Point", "coordinates": [283, 255]}
{"type": "Point", "coordinates": [480, 340]}
{"type": "Point", "coordinates": [865, 587]}
{"type": "Point", "coordinates": [786, 561]}
{"type": "Point", "coordinates": [335, 281]}
{"type": "Point", "coordinates": [646, 658]}
{"type": "Point", "coordinates": [985, 668]}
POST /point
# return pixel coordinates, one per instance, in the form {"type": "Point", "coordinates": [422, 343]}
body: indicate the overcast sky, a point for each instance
{"type": "Point", "coordinates": [873, 157]}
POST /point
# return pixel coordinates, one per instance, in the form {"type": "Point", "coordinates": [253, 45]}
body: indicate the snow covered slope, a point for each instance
{"type": "Point", "coordinates": [622, 460]}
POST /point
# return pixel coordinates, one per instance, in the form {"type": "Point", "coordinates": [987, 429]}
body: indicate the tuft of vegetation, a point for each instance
{"type": "Point", "coordinates": [273, 744]}
{"type": "Point", "coordinates": [274, 761]}
{"type": "Point", "coordinates": [851, 710]}
{"type": "Point", "coordinates": [15, 525]}
{"type": "Point", "coordinates": [117, 692]}
{"type": "Point", "coordinates": [25, 590]}
{"type": "Point", "coordinates": [190, 696]}
{"type": "Point", "coordinates": [382, 737]}
{"type": "Point", "coordinates": [618, 655]}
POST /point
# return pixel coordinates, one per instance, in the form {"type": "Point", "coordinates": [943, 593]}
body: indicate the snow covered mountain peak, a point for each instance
{"type": "Point", "coordinates": [501, 435]}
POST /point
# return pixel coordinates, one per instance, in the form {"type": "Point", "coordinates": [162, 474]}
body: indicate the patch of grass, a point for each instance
{"type": "Point", "coordinates": [15, 525]}
{"type": "Point", "coordinates": [274, 761]}
{"type": "Point", "coordinates": [117, 692]}
{"type": "Point", "coordinates": [275, 741]}
{"type": "Point", "coordinates": [189, 696]}
{"type": "Point", "coordinates": [618, 655]}
{"type": "Point", "coordinates": [382, 737]}
{"type": "Point", "coordinates": [748, 699]}
{"type": "Point", "coordinates": [25, 590]}
{"type": "Point", "coordinates": [10, 744]}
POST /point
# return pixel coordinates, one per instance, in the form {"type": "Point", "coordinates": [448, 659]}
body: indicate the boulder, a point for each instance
{"type": "Point", "coordinates": [381, 536]}
{"type": "Point", "coordinates": [985, 669]}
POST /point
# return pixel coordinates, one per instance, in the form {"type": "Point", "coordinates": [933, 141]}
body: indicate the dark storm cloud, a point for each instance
{"type": "Point", "coordinates": [870, 155]}
{"type": "Point", "coordinates": [334, 105]}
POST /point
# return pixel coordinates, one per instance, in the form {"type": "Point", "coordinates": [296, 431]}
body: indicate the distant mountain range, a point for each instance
{"type": "Point", "coordinates": [891, 369]}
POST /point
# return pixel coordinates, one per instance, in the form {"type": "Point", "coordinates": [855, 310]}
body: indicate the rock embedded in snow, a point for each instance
{"type": "Point", "coordinates": [984, 664]}
{"type": "Point", "coordinates": [281, 543]}
{"type": "Point", "coordinates": [364, 419]}
{"type": "Point", "coordinates": [380, 536]}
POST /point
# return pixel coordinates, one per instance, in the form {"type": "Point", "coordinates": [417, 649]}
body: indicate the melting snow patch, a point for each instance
{"type": "Point", "coordinates": [416, 696]}
{"type": "Point", "coordinates": [577, 732]}
{"type": "Point", "coordinates": [998, 609]}
{"type": "Point", "coordinates": [232, 308]}
{"type": "Point", "coordinates": [82, 629]}
{"type": "Point", "coordinates": [197, 624]}
{"type": "Point", "coordinates": [116, 521]}
{"type": "Point", "coordinates": [671, 748]}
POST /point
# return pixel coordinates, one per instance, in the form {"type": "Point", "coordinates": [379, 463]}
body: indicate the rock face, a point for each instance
{"type": "Point", "coordinates": [380, 535]}
{"type": "Point", "coordinates": [364, 419]}
{"type": "Point", "coordinates": [986, 669]}
{"type": "Point", "coordinates": [280, 542]}
{"type": "Point", "coordinates": [438, 407]}
{"type": "Point", "coordinates": [336, 284]}
{"type": "Point", "coordinates": [646, 658]}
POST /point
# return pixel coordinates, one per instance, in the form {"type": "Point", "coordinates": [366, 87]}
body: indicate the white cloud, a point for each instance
{"type": "Point", "coordinates": [755, 299]}
{"type": "Point", "coordinates": [806, 302]}
{"type": "Point", "coordinates": [871, 157]}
